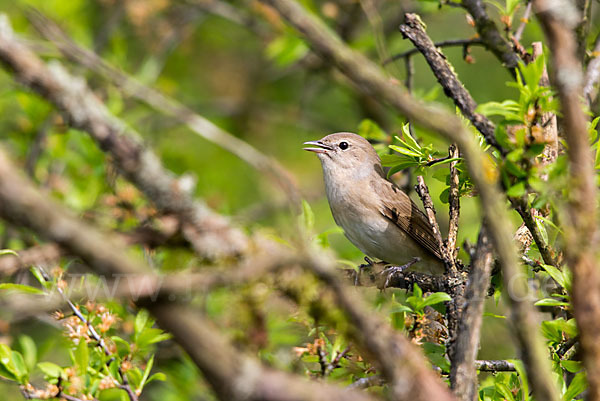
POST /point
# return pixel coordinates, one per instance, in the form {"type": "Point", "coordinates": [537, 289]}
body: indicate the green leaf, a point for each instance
{"type": "Point", "coordinates": [20, 368]}
{"type": "Point", "coordinates": [563, 278]}
{"type": "Point", "coordinates": [408, 139]}
{"type": "Point", "coordinates": [29, 350]}
{"type": "Point", "coordinates": [146, 373]}
{"type": "Point", "coordinates": [151, 336]}
{"type": "Point", "coordinates": [436, 298]}
{"type": "Point", "coordinates": [505, 391]}
{"type": "Point", "coordinates": [123, 348]}
{"type": "Point", "coordinates": [51, 370]}
{"type": "Point", "coordinates": [308, 217]}
{"type": "Point", "coordinates": [577, 386]}
{"type": "Point", "coordinates": [401, 308]}
{"type": "Point", "coordinates": [135, 377]}
{"type": "Point", "coordinates": [82, 357]}
{"type": "Point", "coordinates": [522, 373]}
{"type": "Point", "coordinates": [286, 49]}
{"type": "Point", "coordinates": [141, 320]}
{"type": "Point", "coordinates": [417, 292]}
{"type": "Point", "coordinates": [507, 109]}
{"type": "Point", "coordinates": [8, 252]}
{"type": "Point", "coordinates": [517, 190]}
{"type": "Point", "coordinates": [572, 366]}
{"type": "Point", "coordinates": [40, 277]}
{"type": "Point", "coordinates": [550, 302]}
{"type": "Point", "coordinates": [157, 376]}
{"type": "Point", "coordinates": [7, 368]}
{"type": "Point", "coordinates": [511, 6]}
{"type": "Point", "coordinates": [370, 130]}
{"type": "Point", "coordinates": [405, 151]}
{"type": "Point", "coordinates": [21, 288]}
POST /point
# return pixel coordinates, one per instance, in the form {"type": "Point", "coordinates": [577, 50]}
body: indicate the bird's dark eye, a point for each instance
{"type": "Point", "coordinates": [343, 145]}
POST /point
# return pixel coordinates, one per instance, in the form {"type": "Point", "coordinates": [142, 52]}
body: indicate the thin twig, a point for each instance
{"type": "Point", "coordinates": [454, 201]}
{"type": "Point", "coordinates": [524, 21]}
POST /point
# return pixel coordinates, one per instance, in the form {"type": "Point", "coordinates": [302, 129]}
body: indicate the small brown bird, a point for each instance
{"type": "Point", "coordinates": [377, 217]}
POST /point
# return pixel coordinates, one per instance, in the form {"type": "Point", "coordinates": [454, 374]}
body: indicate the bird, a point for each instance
{"type": "Point", "coordinates": [376, 216]}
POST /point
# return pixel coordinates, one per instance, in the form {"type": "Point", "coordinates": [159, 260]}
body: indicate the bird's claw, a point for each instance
{"type": "Point", "coordinates": [390, 271]}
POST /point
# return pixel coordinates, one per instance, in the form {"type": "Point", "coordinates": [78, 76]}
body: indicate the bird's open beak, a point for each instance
{"type": "Point", "coordinates": [322, 148]}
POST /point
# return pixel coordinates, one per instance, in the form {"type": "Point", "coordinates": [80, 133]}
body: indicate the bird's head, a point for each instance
{"type": "Point", "coordinates": [346, 153]}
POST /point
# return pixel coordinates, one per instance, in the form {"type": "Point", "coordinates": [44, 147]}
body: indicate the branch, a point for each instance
{"type": "Point", "coordinates": [370, 275]}
{"type": "Point", "coordinates": [491, 36]}
{"type": "Point", "coordinates": [210, 234]}
{"type": "Point", "coordinates": [370, 79]}
{"type": "Point", "coordinates": [495, 366]}
{"type": "Point", "coordinates": [414, 30]}
{"type": "Point", "coordinates": [443, 43]}
{"type": "Point", "coordinates": [558, 20]}
{"type": "Point", "coordinates": [232, 374]}
{"type": "Point", "coordinates": [454, 201]}
{"type": "Point", "coordinates": [463, 375]}
{"type": "Point", "coordinates": [423, 192]}
{"type": "Point", "coordinates": [195, 122]}
{"type": "Point", "coordinates": [524, 21]}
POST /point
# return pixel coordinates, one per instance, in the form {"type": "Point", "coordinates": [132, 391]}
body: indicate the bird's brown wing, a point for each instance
{"type": "Point", "coordinates": [402, 211]}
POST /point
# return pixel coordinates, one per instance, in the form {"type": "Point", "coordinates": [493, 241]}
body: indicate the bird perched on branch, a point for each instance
{"type": "Point", "coordinates": [377, 217]}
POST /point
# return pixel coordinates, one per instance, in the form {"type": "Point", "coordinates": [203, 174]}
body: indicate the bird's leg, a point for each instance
{"type": "Point", "coordinates": [391, 270]}
{"type": "Point", "coordinates": [370, 263]}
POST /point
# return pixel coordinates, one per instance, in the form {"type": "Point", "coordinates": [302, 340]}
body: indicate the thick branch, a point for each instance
{"type": "Point", "coordinates": [558, 19]}
{"type": "Point", "coordinates": [371, 80]}
{"type": "Point", "coordinates": [463, 375]}
{"type": "Point", "coordinates": [209, 233]}
{"type": "Point", "coordinates": [414, 30]}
